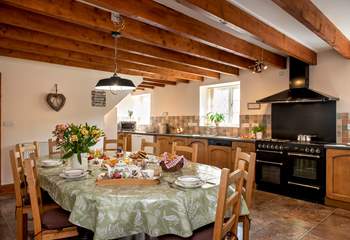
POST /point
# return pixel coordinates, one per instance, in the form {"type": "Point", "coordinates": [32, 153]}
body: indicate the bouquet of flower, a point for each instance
{"type": "Point", "coordinates": [76, 139]}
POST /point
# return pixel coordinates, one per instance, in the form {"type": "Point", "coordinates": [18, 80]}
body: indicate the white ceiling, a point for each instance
{"type": "Point", "coordinates": [338, 11]}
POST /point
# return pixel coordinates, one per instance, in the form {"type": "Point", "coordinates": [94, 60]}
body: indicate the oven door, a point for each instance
{"type": "Point", "coordinates": [306, 175]}
{"type": "Point", "coordinates": [270, 170]}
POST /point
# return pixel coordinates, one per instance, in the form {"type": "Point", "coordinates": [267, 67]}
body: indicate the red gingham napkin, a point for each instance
{"type": "Point", "coordinates": [171, 163]}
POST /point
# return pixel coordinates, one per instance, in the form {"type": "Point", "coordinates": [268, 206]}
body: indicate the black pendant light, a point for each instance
{"type": "Point", "coordinates": [115, 83]}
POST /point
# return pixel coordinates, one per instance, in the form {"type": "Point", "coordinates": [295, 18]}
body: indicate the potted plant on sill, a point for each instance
{"type": "Point", "coordinates": [216, 118]}
{"type": "Point", "coordinates": [75, 141]}
{"type": "Point", "coordinates": [258, 131]}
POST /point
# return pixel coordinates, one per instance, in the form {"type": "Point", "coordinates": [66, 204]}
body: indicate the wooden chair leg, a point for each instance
{"type": "Point", "coordinates": [19, 224]}
{"type": "Point", "coordinates": [25, 226]}
{"type": "Point", "coordinates": [246, 228]}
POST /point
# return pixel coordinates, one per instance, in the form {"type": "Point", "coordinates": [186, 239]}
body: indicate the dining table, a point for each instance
{"type": "Point", "coordinates": [117, 211]}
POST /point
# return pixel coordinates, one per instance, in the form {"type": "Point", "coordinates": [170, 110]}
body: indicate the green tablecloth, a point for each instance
{"type": "Point", "coordinates": [112, 212]}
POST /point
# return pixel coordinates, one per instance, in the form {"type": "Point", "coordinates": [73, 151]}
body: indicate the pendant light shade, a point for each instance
{"type": "Point", "coordinates": [115, 83]}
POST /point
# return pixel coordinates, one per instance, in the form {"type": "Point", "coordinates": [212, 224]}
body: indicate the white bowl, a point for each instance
{"type": "Point", "coordinates": [189, 180]}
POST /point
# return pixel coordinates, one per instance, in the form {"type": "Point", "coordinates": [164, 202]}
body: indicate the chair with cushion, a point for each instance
{"type": "Point", "coordinates": [246, 162]}
{"type": "Point", "coordinates": [53, 151]}
{"type": "Point", "coordinates": [22, 200]}
{"type": "Point", "coordinates": [155, 146]}
{"type": "Point", "coordinates": [49, 224]}
{"type": "Point", "coordinates": [185, 149]}
{"type": "Point", "coordinates": [224, 227]}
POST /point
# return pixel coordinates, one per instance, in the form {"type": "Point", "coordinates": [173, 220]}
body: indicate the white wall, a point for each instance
{"type": "Point", "coordinates": [331, 75]}
{"type": "Point", "coordinates": [24, 109]}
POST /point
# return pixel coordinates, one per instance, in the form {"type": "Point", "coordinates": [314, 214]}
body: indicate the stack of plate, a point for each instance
{"type": "Point", "coordinates": [189, 181]}
{"type": "Point", "coordinates": [73, 174]}
{"type": "Point", "coordinates": [50, 163]}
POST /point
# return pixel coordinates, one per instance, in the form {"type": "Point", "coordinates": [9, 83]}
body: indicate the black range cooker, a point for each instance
{"type": "Point", "coordinates": [291, 168]}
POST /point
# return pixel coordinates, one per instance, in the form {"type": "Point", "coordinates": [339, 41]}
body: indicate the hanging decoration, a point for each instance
{"type": "Point", "coordinates": [115, 83]}
{"type": "Point", "coordinates": [56, 100]}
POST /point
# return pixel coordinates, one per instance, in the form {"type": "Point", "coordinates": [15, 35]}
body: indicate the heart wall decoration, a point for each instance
{"type": "Point", "coordinates": [56, 100]}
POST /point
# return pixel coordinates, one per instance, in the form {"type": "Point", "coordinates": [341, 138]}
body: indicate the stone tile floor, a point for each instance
{"type": "Point", "coordinates": [274, 217]}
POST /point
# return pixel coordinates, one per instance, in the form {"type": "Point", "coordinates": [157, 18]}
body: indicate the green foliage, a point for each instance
{"type": "Point", "coordinates": [259, 128]}
{"type": "Point", "coordinates": [77, 139]}
{"type": "Point", "coordinates": [130, 113]}
{"type": "Point", "coordinates": [216, 117]}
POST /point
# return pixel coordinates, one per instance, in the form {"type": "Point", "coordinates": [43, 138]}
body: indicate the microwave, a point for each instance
{"type": "Point", "coordinates": [127, 126]}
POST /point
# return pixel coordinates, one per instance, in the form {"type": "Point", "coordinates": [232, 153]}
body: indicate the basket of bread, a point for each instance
{"type": "Point", "coordinates": [172, 162]}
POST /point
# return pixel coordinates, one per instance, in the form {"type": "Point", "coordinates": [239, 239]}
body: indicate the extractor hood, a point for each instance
{"type": "Point", "coordinates": [299, 90]}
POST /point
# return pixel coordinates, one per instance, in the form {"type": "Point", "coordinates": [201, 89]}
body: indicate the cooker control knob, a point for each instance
{"type": "Point", "coordinates": [263, 146]}
{"type": "Point", "coordinates": [276, 147]}
{"type": "Point", "coordinates": [318, 150]}
{"type": "Point", "coordinates": [312, 150]}
{"type": "Point", "coordinates": [307, 150]}
{"type": "Point", "coordinates": [267, 146]}
{"type": "Point", "coordinates": [259, 145]}
{"type": "Point", "coordinates": [281, 147]}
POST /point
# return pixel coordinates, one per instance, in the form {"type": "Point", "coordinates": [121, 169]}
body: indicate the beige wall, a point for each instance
{"type": "Point", "coordinates": [27, 117]}
{"type": "Point", "coordinates": [331, 75]}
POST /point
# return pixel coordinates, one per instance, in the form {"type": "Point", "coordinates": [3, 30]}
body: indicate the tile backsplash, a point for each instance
{"type": "Point", "coordinates": [191, 125]}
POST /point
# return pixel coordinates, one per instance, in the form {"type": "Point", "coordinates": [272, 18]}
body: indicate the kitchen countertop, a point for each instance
{"type": "Point", "coordinates": [338, 146]}
{"type": "Point", "coordinates": [234, 139]}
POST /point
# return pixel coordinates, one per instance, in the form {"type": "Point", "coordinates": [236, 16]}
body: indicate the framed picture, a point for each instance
{"type": "Point", "coordinates": [254, 106]}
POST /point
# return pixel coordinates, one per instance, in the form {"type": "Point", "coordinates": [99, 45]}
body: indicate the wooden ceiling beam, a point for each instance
{"type": "Point", "coordinates": [72, 45]}
{"type": "Point", "coordinates": [310, 16]}
{"type": "Point", "coordinates": [151, 69]}
{"type": "Point", "coordinates": [149, 75]}
{"type": "Point", "coordinates": [70, 63]}
{"type": "Point", "coordinates": [145, 86]}
{"type": "Point", "coordinates": [71, 55]}
{"type": "Point", "coordinates": [159, 81]}
{"type": "Point", "coordinates": [160, 16]}
{"type": "Point", "coordinates": [84, 15]}
{"type": "Point", "coordinates": [153, 84]}
{"type": "Point", "coordinates": [131, 57]}
{"type": "Point", "coordinates": [196, 64]}
{"type": "Point", "coordinates": [225, 11]}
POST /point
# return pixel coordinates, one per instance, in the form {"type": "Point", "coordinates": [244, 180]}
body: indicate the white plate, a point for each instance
{"type": "Point", "coordinates": [73, 177]}
{"type": "Point", "coordinates": [73, 172]}
{"type": "Point", "coordinates": [50, 163]}
{"type": "Point", "coordinates": [189, 180]}
{"type": "Point", "coordinates": [180, 184]}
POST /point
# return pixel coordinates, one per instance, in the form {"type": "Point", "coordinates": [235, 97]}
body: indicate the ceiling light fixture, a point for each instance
{"type": "Point", "coordinates": [115, 83]}
{"type": "Point", "coordinates": [259, 65]}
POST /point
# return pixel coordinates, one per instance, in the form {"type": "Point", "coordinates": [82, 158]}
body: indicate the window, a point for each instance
{"type": "Point", "coordinates": [140, 105]}
{"type": "Point", "coordinates": [221, 98]}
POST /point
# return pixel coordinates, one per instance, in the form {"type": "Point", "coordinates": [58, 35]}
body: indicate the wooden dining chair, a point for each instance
{"type": "Point", "coordinates": [246, 162]}
{"type": "Point", "coordinates": [115, 144]}
{"type": "Point", "coordinates": [23, 207]}
{"type": "Point", "coordinates": [192, 150]}
{"type": "Point", "coordinates": [28, 150]}
{"type": "Point", "coordinates": [49, 224]}
{"type": "Point", "coordinates": [154, 145]}
{"type": "Point", "coordinates": [224, 227]}
{"type": "Point", "coordinates": [22, 200]}
{"type": "Point", "coordinates": [53, 151]}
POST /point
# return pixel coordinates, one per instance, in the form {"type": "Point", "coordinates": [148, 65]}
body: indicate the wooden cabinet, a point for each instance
{"type": "Point", "coordinates": [202, 149]}
{"type": "Point", "coordinates": [338, 175]}
{"type": "Point", "coordinates": [219, 156]}
{"type": "Point", "coordinates": [180, 141]}
{"type": "Point", "coordinates": [165, 143]}
{"type": "Point", "coordinates": [247, 147]}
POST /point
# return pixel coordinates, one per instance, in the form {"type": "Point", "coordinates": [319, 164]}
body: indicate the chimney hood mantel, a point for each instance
{"type": "Point", "coordinates": [299, 90]}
